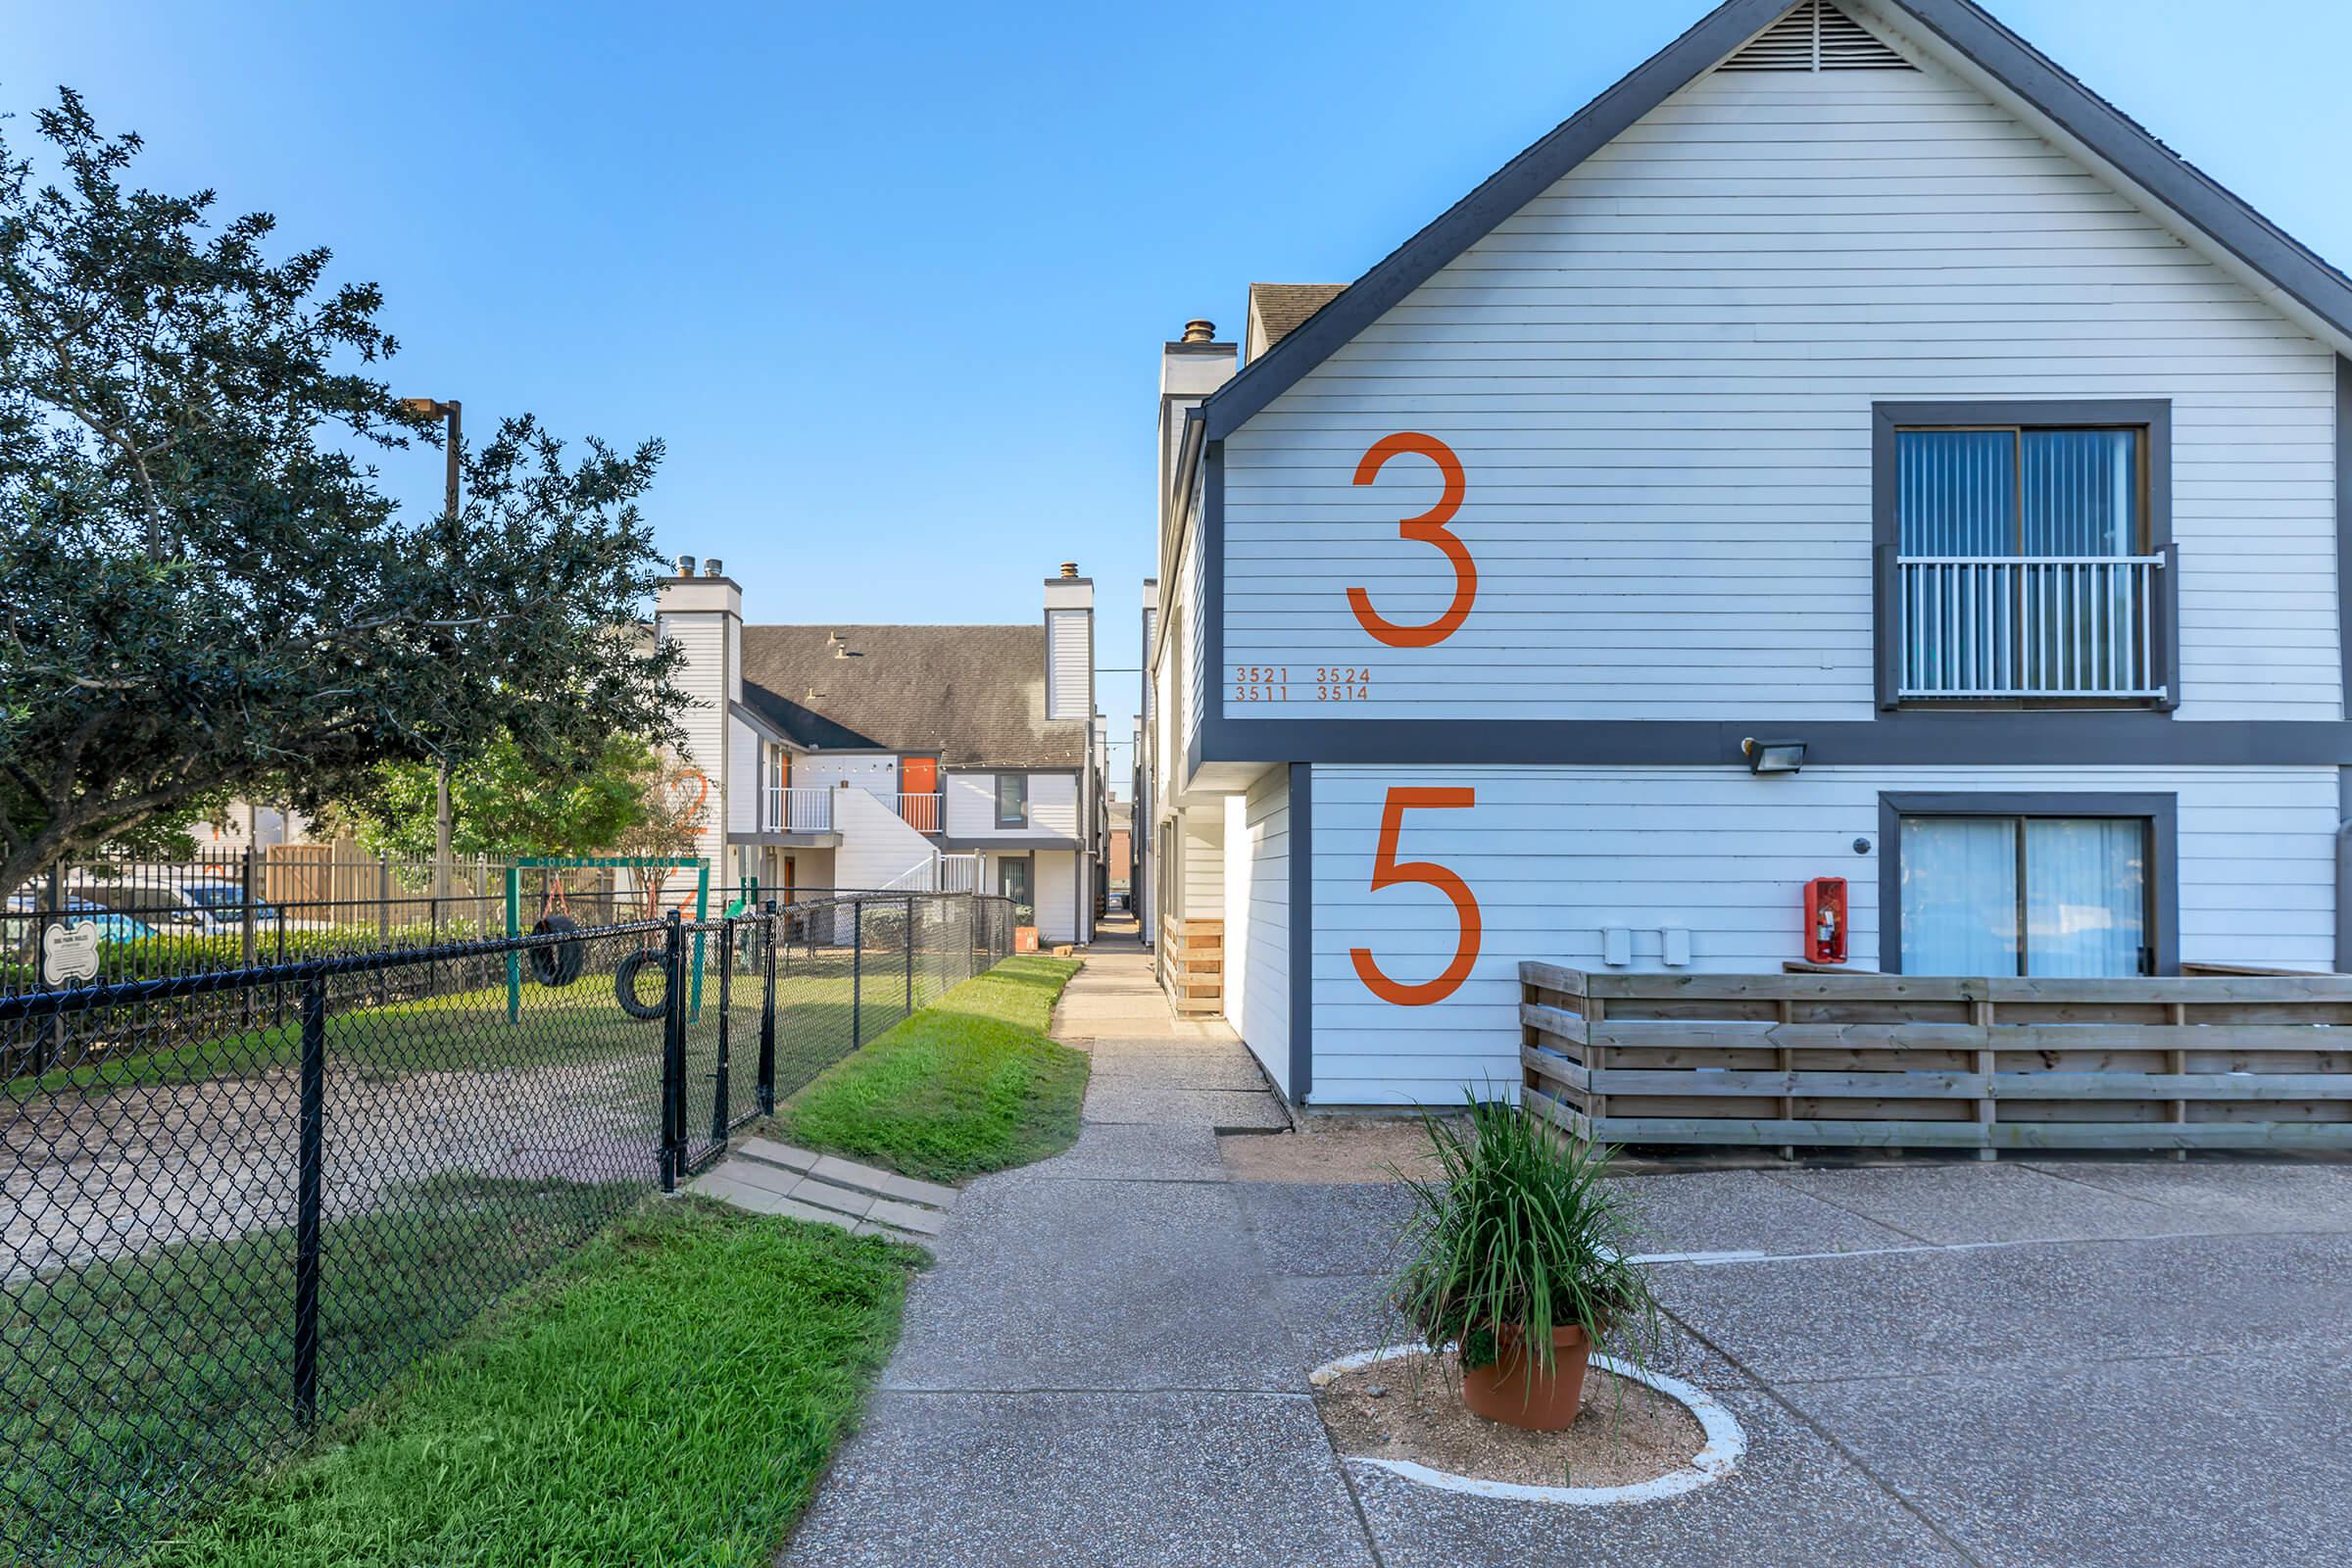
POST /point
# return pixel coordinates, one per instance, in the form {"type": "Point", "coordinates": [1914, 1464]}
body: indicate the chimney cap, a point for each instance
{"type": "Point", "coordinates": [685, 566]}
{"type": "Point", "coordinates": [1198, 331]}
{"type": "Point", "coordinates": [1069, 568]}
{"type": "Point", "coordinates": [713, 568]}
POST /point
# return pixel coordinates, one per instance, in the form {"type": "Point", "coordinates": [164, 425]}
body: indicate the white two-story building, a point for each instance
{"type": "Point", "coordinates": [1848, 449]}
{"type": "Point", "coordinates": [854, 758]}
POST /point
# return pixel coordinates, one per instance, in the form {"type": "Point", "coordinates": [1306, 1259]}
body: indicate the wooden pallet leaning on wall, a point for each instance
{"type": "Point", "coordinates": [1931, 1061]}
{"type": "Point", "coordinates": [1196, 951]}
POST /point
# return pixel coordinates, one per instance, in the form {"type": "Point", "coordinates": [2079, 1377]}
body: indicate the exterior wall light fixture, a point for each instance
{"type": "Point", "coordinates": [1773, 757]}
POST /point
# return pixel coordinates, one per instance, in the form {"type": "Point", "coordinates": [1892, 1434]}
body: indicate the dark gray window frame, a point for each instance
{"type": "Point", "coordinates": [1003, 821]}
{"type": "Point", "coordinates": [1028, 863]}
{"type": "Point", "coordinates": [2159, 810]}
{"type": "Point", "coordinates": [2153, 415]}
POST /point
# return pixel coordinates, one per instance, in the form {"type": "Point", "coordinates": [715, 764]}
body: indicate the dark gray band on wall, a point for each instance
{"type": "Point", "coordinates": [2162, 812]}
{"type": "Point", "coordinates": [2081, 737]}
{"type": "Point", "coordinates": [1302, 869]}
{"type": "Point", "coordinates": [2152, 415]}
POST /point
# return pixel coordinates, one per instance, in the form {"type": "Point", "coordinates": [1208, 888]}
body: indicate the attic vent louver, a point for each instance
{"type": "Point", "coordinates": [1816, 36]}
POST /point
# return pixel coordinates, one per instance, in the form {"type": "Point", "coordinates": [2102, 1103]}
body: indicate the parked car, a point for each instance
{"type": "Point", "coordinates": [112, 925]}
{"type": "Point", "coordinates": [220, 906]}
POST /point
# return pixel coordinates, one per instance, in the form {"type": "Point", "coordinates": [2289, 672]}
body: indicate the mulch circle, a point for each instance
{"type": "Point", "coordinates": [1409, 1409]}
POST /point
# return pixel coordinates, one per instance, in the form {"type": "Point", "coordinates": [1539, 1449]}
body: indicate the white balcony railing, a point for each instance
{"type": "Point", "coordinates": [2007, 626]}
{"type": "Point", "coordinates": [796, 810]}
{"type": "Point", "coordinates": [920, 811]}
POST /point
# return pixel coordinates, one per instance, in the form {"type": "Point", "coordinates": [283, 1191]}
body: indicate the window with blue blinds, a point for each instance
{"type": "Point", "coordinates": [2018, 492]}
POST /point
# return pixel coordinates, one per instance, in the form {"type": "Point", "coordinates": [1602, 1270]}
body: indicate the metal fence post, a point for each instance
{"type": "Point", "coordinates": [674, 1055]}
{"type": "Point", "coordinates": [311, 1185]}
{"type": "Point", "coordinates": [971, 935]}
{"type": "Point", "coordinates": [767, 1016]}
{"type": "Point", "coordinates": [727, 993]}
{"type": "Point", "coordinates": [383, 923]}
{"type": "Point", "coordinates": [856, 974]}
{"type": "Point", "coordinates": [909, 943]}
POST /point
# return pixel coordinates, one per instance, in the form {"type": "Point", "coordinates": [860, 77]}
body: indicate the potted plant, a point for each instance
{"type": "Point", "coordinates": [1515, 1257]}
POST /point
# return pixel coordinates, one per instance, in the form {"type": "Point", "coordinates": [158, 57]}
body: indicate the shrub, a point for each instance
{"type": "Point", "coordinates": [1519, 1232]}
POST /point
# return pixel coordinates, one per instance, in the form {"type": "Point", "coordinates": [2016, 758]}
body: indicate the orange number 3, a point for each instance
{"type": "Point", "coordinates": [1429, 528]}
{"type": "Point", "coordinates": [1388, 872]}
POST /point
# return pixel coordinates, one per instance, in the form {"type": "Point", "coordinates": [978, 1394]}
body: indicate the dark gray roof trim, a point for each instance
{"type": "Point", "coordinates": [1961, 25]}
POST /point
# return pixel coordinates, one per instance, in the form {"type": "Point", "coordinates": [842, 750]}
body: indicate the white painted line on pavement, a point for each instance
{"type": "Point", "coordinates": [1725, 1442]}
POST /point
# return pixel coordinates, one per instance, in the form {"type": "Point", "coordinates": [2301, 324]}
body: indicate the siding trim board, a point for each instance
{"type": "Point", "coordinates": [2152, 415]}
{"type": "Point", "coordinates": [1975, 37]}
{"type": "Point", "coordinates": [2343, 519]}
{"type": "Point", "coordinates": [1302, 869]}
{"type": "Point", "coordinates": [2162, 812]}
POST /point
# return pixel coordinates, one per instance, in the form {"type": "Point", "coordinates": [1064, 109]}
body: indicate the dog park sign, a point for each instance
{"type": "Point", "coordinates": [68, 953]}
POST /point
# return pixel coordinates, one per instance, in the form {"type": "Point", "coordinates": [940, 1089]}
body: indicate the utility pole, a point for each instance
{"type": "Point", "coordinates": [451, 410]}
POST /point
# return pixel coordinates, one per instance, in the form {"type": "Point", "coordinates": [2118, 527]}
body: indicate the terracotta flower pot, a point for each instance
{"type": "Point", "coordinates": [1518, 1392]}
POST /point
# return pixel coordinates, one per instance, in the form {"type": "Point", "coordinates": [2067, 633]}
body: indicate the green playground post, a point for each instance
{"type": "Point", "coordinates": [513, 929]}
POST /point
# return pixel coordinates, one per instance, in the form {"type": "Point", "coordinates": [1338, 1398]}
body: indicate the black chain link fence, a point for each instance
{"type": "Point", "coordinates": [222, 1229]}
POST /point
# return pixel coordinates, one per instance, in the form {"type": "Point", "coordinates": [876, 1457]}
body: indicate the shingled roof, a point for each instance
{"type": "Point", "coordinates": [976, 695]}
{"type": "Point", "coordinates": [1278, 308]}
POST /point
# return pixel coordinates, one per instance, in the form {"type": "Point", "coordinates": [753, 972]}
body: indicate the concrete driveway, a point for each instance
{"type": "Point", "coordinates": [2048, 1362]}
{"type": "Point", "coordinates": [2062, 1363]}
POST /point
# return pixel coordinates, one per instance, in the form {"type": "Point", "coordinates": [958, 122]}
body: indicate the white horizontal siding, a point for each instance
{"type": "Point", "coordinates": [1191, 610]}
{"type": "Point", "coordinates": [971, 807]}
{"type": "Point", "coordinates": [1257, 928]}
{"type": "Point", "coordinates": [876, 775]}
{"type": "Point", "coordinates": [1069, 668]}
{"type": "Point", "coordinates": [1053, 804]}
{"type": "Point", "coordinates": [1554, 855]}
{"type": "Point", "coordinates": [1658, 376]}
{"type": "Point", "coordinates": [1201, 829]}
{"type": "Point", "coordinates": [743, 778]}
{"type": "Point", "coordinates": [1055, 893]}
{"type": "Point", "coordinates": [704, 723]}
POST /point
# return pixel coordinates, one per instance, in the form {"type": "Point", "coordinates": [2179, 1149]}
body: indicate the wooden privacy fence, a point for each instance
{"type": "Point", "coordinates": [1888, 1061]}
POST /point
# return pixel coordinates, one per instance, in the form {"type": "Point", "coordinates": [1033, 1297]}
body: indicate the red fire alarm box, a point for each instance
{"type": "Point", "coordinates": [1825, 920]}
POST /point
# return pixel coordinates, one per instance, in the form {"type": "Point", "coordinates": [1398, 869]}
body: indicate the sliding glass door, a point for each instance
{"type": "Point", "coordinates": [2025, 894]}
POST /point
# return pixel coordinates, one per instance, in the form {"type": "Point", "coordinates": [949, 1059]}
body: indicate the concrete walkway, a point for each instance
{"type": "Point", "coordinates": [2041, 1362]}
{"type": "Point", "coordinates": [1097, 1368]}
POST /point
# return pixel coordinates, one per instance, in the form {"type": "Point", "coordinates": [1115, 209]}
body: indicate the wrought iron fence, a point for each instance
{"type": "Point", "coordinates": [223, 1230]}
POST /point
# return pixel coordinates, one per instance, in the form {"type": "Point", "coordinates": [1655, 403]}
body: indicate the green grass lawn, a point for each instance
{"type": "Point", "coordinates": [969, 1083]}
{"type": "Point", "coordinates": [131, 1387]}
{"type": "Point", "coordinates": [670, 1397]}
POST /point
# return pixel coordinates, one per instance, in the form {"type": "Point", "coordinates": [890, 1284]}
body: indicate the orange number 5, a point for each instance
{"type": "Point", "coordinates": [1388, 872]}
{"type": "Point", "coordinates": [1430, 529]}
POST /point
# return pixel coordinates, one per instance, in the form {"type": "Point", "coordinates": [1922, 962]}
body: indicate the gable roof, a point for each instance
{"type": "Point", "coordinates": [976, 695]}
{"type": "Point", "coordinates": [2191, 195]}
{"type": "Point", "coordinates": [1277, 310]}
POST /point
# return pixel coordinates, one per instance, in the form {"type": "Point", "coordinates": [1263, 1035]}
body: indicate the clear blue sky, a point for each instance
{"type": "Point", "coordinates": [891, 279]}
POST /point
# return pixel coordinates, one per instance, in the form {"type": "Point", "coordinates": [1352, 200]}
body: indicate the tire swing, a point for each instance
{"type": "Point", "coordinates": [559, 963]}
{"type": "Point", "coordinates": [625, 983]}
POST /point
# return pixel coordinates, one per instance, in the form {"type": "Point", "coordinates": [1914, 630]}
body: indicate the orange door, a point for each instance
{"type": "Point", "coordinates": [918, 793]}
